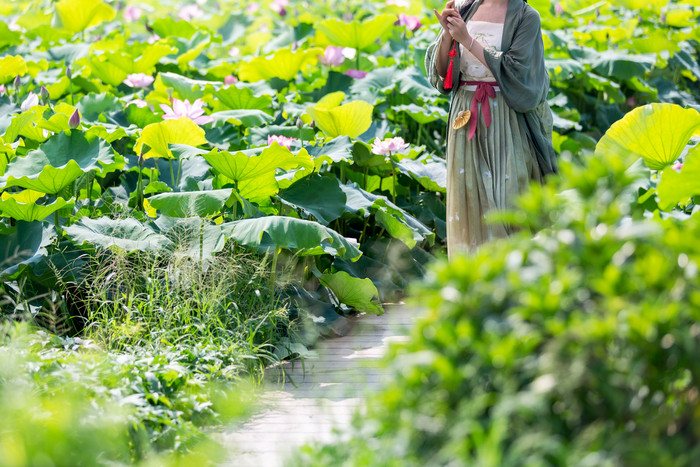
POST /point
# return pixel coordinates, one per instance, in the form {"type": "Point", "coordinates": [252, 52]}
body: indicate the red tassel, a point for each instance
{"type": "Point", "coordinates": [448, 77]}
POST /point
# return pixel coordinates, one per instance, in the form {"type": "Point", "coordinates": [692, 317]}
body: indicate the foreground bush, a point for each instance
{"type": "Point", "coordinates": [576, 347]}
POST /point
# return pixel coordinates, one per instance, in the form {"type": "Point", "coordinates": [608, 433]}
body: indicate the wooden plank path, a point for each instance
{"type": "Point", "coordinates": [321, 395]}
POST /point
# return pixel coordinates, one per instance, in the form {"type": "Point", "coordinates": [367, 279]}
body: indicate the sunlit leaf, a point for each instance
{"type": "Point", "coordinates": [351, 119]}
{"type": "Point", "coordinates": [658, 133]}
{"type": "Point", "coordinates": [78, 15]}
{"type": "Point", "coordinates": [22, 206]}
{"type": "Point", "coordinates": [11, 66]}
{"type": "Point", "coordinates": [176, 131]}
{"type": "Point", "coordinates": [283, 64]}
{"type": "Point", "coordinates": [360, 294]}
{"type": "Point", "coordinates": [677, 187]}
{"type": "Point", "coordinates": [356, 34]}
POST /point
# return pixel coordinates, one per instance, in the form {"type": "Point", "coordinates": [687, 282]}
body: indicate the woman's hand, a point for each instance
{"type": "Point", "coordinates": [458, 29]}
{"type": "Point", "coordinates": [442, 18]}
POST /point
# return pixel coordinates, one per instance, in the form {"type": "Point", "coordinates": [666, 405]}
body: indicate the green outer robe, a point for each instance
{"type": "Point", "coordinates": [520, 71]}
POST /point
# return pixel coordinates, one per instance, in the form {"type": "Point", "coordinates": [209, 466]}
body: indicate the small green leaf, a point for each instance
{"type": "Point", "coordinates": [190, 203]}
{"type": "Point", "coordinates": [360, 294]}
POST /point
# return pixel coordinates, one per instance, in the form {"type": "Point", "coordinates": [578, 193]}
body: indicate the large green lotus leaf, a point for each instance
{"type": "Point", "coordinates": [11, 66]}
{"type": "Point", "coordinates": [334, 151]}
{"type": "Point", "coordinates": [246, 117]}
{"type": "Point", "coordinates": [150, 56]}
{"type": "Point", "coordinates": [677, 187]}
{"type": "Point", "coordinates": [656, 132]}
{"type": "Point", "coordinates": [192, 237]}
{"type": "Point", "coordinates": [78, 15]}
{"type": "Point", "coordinates": [192, 47]}
{"type": "Point", "coordinates": [318, 196]}
{"type": "Point", "coordinates": [359, 35]}
{"type": "Point", "coordinates": [351, 119]}
{"type": "Point", "coordinates": [157, 136]}
{"type": "Point", "coordinates": [622, 66]}
{"type": "Point", "coordinates": [91, 106]}
{"type": "Point", "coordinates": [283, 64]}
{"type": "Point", "coordinates": [375, 85]}
{"type": "Point", "coordinates": [24, 245]}
{"type": "Point", "coordinates": [128, 234]}
{"type": "Point", "coordinates": [182, 87]}
{"type": "Point", "coordinates": [22, 206]}
{"type": "Point", "coordinates": [397, 222]}
{"type": "Point", "coordinates": [415, 85]}
{"type": "Point", "coordinates": [654, 5]}
{"type": "Point", "coordinates": [60, 160]}
{"type": "Point", "coordinates": [238, 97]}
{"type": "Point", "coordinates": [430, 174]}
{"type": "Point", "coordinates": [423, 114]}
{"type": "Point", "coordinates": [297, 235]}
{"type": "Point", "coordinates": [25, 125]}
{"type": "Point", "coordinates": [166, 27]}
{"type": "Point", "coordinates": [8, 38]}
{"type": "Point", "coordinates": [190, 203]}
{"type": "Point", "coordinates": [360, 294]}
{"type": "Point", "coordinates": [112, 68]}
{"type": "Point", "coordinates": [255, 175]}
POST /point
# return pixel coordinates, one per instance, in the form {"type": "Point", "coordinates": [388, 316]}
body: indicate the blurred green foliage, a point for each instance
{"type": "Point", "coordinates": [577, 346]}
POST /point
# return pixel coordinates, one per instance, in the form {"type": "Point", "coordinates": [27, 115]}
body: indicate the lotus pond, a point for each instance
{"type": "Point", "coordinates": [190, 192]}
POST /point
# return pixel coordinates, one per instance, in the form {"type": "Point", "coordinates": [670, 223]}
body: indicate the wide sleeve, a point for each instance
{"type": "Point", "coordinates": [520, 70]}
{"type": "Point", "coordinates": [437, 81]}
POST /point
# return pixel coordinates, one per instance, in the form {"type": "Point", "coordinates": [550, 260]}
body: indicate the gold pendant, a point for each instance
{"type": "Point", "coordinates": [461, 119]}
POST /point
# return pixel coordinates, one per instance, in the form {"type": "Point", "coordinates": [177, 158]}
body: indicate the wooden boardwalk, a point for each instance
{"type": "Point", "coordinates": [322, 395]}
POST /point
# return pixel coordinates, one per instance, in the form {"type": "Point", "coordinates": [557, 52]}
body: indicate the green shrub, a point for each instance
{"type": "Point", "coordinates": [576, 347]}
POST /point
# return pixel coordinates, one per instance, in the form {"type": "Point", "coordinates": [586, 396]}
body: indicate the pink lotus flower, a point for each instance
{"type": "Point", "coordinates": [153, 39]}
{"type": "Point", "coordinates": [631, 101]}
{"type": "Point", "coordinates": [357, 74]}
{"type": "Point", "coordinates": [189, 12]}
{"type": "Point", "coordinates": [411, 22]}
{"type": "Point", "coordinates": [230, 79]}
{"type": "Point", "coordinates": [389, 146]}
{"type": "Point", "coordinates": [31, 100]}
{"type": "Point", "coordinates": [677, 166]}
{"type": "Point", "coordinates": [332, 56]}
{"type": "Point", "coordinates": [281, 140]}
{"type": "Point", "coordinates": [2, 89]}
{"type": "Point", "coordinates": [280, 6]}
{"type": "Point", "coordinates": [234, 51]}
{"type": "Point", "coordinates": [132, 13]}
{"type": "Point", "coordinates": [558, 9]}
{"type": "Point", "coordinates": [253, 8]}
{"type": "Point", "coordinates": [138, 80]}
{"type": "Point", "coordinates": [193, 111]}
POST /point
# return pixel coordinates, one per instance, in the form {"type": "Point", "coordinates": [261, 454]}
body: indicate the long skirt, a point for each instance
{"type": "Point", "coordinates": [485, 173]}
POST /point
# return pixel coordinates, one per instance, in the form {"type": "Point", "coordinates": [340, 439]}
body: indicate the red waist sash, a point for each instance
{"type": "Point", "coordinates": [484, 90]}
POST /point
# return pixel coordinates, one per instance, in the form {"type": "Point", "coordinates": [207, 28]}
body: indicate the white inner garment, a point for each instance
{"type": "Point", "coordinates": [489, 35]}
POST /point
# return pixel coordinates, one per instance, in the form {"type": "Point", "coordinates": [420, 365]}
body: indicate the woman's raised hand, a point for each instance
{"type": "Point", "coordinates": [442, 18]}
{"type": "Point", "coordinates": [457, 28]}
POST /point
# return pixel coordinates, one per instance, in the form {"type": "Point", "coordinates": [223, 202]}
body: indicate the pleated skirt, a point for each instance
{"type": "Point", "coordinates": [485, 173]}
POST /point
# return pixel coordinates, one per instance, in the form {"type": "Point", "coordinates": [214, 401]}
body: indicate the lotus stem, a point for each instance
{"type": "Point", "coordinates": [179, 173]}
{"type": "Point", "coordinates": [172, 173]}
{"type": "Point", "coordinates": [273, 272]}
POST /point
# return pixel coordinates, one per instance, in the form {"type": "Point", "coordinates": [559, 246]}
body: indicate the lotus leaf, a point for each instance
{"type": "Point", "coordinates": [22, 206]}
{"type": "Point", "coordinates": [351, 119]}
{"type": "Point", "coordinates": [128, 234]}
{"type": "Point", "coordinates": [190, 203]}
{"type": "Point", "coordinates": [360, 294]}
{"type": "Point", "coordinates": [59, 161]}
{"type": "Point", "coordinates": [11, 66]}
{"type": "Point", "coordinates": [283, 64]}
{"type": "Point", "coordinates": [677, 187]}
{"type": "Point", "coordinates": [318, 196]}
{"type": "Point", "coordinates": [255, 175]}
{"type": "Point", "coordinates": [157, 136]}
{"type": "Point", "coordinates": [78, 15]}
{"type": "Point", "coordinates": [359, 35]}
{"type": "Point", "coordinates": [658, 133]}
{"type": "Point", "coordinates": [25, 244]}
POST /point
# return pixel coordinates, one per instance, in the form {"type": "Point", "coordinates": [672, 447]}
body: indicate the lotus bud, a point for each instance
{"type": "Point", "coordinates": [312, 124]}
{"type": "Point", "coordinates": [69, 73]}
{"type": "Point", "coordinates": [300, 123]}
{"type": "Point", "coordinates": [74, 121]}
{"type": "Point", "coordinates": [18, 82]}
{"type": "Point", "coordinates": [44, 95]}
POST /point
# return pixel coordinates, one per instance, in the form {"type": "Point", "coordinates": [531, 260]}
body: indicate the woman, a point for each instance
{"type": "Point", "coordinates": [498, 74]}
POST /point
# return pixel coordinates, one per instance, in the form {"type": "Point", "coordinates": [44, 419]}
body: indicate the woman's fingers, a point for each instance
{"type": "Point", "coordinates": [450, 4]}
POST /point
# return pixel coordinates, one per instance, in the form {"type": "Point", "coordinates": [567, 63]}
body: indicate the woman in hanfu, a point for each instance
{"type": "Point", "coordinates": [490, 56]}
